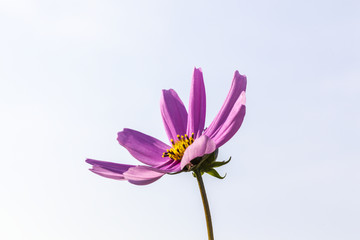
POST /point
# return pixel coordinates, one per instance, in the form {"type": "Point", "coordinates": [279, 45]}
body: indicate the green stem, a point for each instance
{"type": "Point", "coordinates": [206, 204]}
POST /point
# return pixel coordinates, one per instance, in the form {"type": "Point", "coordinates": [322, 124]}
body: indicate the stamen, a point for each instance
{"type": "Point", "coordinates": [179, 147]}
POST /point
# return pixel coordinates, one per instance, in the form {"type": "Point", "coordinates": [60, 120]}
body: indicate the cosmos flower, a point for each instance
{"type": "Point", "coordinates": [185, 130]}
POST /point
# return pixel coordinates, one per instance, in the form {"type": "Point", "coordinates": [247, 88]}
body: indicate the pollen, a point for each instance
{"type": "Point", "coordinates": [179, 146]}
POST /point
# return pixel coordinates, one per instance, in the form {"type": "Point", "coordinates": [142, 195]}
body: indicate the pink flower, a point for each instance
{"type": "Point", "coordinates": [185, 131]}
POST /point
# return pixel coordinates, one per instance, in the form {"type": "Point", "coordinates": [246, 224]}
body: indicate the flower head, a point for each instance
{"type": "Point", "coordinates": [185, 130]}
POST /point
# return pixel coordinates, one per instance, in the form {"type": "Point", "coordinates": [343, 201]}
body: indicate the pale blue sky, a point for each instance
{"type": "Point", "coordinates": [74, 73]}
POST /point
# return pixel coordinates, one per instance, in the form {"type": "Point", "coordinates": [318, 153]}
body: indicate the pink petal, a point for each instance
{"type": "Point", "coordinates": [201, 146]}
{"type": "Point", "coordinates": [173, 113]}
{"type": "Point", "coordinates": [142, 175]}
{"type": "Point", "coordinates": [143, 147]}
{"type": "Point", "coordinates": [139, 175]}
{"type": "Point", "coordinates": [107, 173]}
{"type": "Point", "coordinates": [109, 169]}
{"type": "Point", "coordinates": [237, 87]}
{"type": "Point", "coordinates": [197, 105]}
{"type": "Point", "coordinates": [232, 124]}
{"type": "Point", "coordinates": [170, 166]}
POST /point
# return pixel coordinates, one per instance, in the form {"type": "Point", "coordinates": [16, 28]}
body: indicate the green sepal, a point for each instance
{"type": "Point", "coordinates": [205, 164]}
{"type": "Point", "coordinates": [174, 173]}
{"type": "Point", "coordinates": [214, 173]}
{"type": "Point", "coordinates": [219, 164]}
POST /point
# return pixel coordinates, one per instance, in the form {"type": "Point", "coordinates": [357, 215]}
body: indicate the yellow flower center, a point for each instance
{"type": "Point", "coordinates": [178, 147]}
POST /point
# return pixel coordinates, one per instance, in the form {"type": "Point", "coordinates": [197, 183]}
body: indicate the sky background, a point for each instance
{"type": "Point", "coordinates": [74, 73]}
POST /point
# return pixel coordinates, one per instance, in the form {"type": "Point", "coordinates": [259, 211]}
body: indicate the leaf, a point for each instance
{"type": "Point", "coordinates": [214, 173]}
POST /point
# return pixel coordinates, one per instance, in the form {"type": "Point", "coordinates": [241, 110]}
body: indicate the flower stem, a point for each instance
{"type": "Point", "coordinates": [206, 204]}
